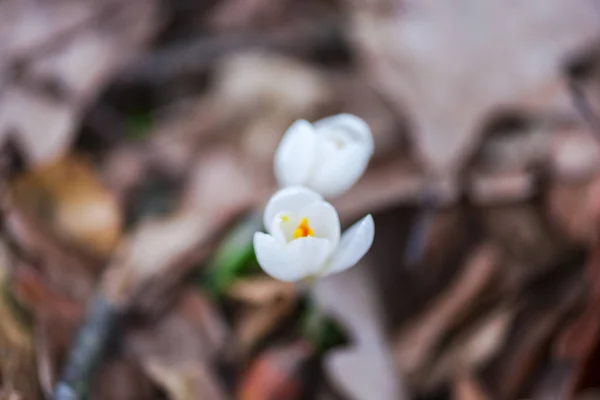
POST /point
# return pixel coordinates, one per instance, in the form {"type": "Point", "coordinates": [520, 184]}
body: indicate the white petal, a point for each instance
{"type": "Point", "coordinates": [289, 200]}
{"type": "Point", "coordinates": [337, 174]}
{"type": "Point", "coordinates": [295, 154]}
{"type": "Point", "coordinates": [324, 220]}
{"type": "Point", "coordinates": [351, 125]}
{"type": "Point", "coordinates": [310, 253]}
{"type": "Point", "coordinates": [355, 243]}
{"type": "Point", "coordinates": [282, 229]}
{"type": "Point", "coordinates": [274, 260]}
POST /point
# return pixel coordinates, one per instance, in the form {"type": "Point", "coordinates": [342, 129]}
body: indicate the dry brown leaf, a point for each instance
{"type": "Point", "coordinates": [260, 291]}
{"type": "Point", "coordinates": [220, 184]}
{"type": "Point", "coordinates": [67, 271]}
{"type": "Point", "coordinates": [17, 352]}
{"type": "Point", "coordinates": [274, 374]}
{"type": "Point", "coordinates": [475, 348]}
{"type": "Point", "coordinates": [55, 322]}
{"type": "Point", "coordinates": [31, 289]}
{"type": "Point", "coordinates": [149, 264]}
{"type": "Point", "coordinates": [356, 95]}
{"type": "Point", "coordinates": [177, 351]}
{"type": "Point", "coordinates": [67, 197]}
{"type": "Point", "coordinates": [69, 45]}
{"type": "Point", "coordinates": [415, 343]}
{"type": "Point", "coordinates": [575, 155]}
{"type": "Point", "coordinates": [350, 297]}
{"type": "Point", "coordinates": [184, 381]}
{"type": "Point", "coordinates": [591, 394]}
{"type": "Point", "coordinates": [450, 66]}
{"type": "Point", "coordinates": [254, 324]}
{"type": "Point", "coordinates": [577, 343]}
{"type": "Point", "coordinates": [383, 186]}
{"type": "Point", "coordinates": [249, 85]}
{"type": "Point", "coordinates": [529, 247]}
{"type": "Point", "coordinates": [235, 15]}
{"type": "Point", "coordinates": [487, 189]}
{"type": "Point", "coordinates": [53, 336]}
{"type": "Point", "coordinates": [192, 330]}
{"type": "Point", "coordinates": [465, 387]}
{"type": "Point", "coordinates": [121, 379]}
{"type": "Point", "coordinates": [266, 302]}
{"type": "Point", "coordinates": [529, 339]}
{"type": "Point", "coordinates": [571, 198]}
{"type": "Point", "coordinates": [568, 207]}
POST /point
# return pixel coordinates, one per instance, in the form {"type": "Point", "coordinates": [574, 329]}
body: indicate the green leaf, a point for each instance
{"type": "Point", "coordinates": [322, 331]}
{"type": "Point", "coordinates": [234, 258]}
{"type": "Point", "coordinates": [139, 124]}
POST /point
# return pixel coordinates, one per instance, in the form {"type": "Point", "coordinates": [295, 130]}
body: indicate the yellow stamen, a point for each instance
{"type": "Point", "coordinates": [303, 230]}
{"type": "Point", "coordinates": [285, 218]}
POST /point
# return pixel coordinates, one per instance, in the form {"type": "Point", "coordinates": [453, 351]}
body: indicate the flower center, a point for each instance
{"type": "Point", "coordinates": [303, 229]}
{"type": "Point", "coordinates": [338, 142]}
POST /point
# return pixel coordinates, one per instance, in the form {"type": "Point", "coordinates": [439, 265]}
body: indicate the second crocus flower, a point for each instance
{"type": "Point", "coordinates": [303, 239]}
{"type": "Point", "coordinates": [328, 156]}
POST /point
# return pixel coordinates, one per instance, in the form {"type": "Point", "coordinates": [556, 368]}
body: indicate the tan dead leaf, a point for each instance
{"type": "Point", "coordinates": [450, 66]}
{"type": "Point", "coordinates": [503, 168]}
{"type": "Point", "coordinates": [266, 302]}
{"type": "Point", "coordinates": [184, 381]}
{"type": "Point", "coordinates": [119, 378]}
{"type": "Point", "coordinates": [261, 291]}
{"type": "Point", "coordinates": [177, 351]}
{"type": "Point", "coordinates": [67, 197]}
{"type": "Point", "coordinates": [276, 373]}
{"type": "Point", "coordinates": [589, 394]}
{"type": "Point", "coordinates": [250, 81]}
{"type": "Point", "coordinates": [154, 250]}
{"type": "Point", "coordinates": [148, 267]}
{"type": "Point", "coordinates": [56, 318]}
{"type": "Point", "coordinates": [383, 186]}
{"type": "Point", "coordinates": [356, 95]}
{"type": "Point", "coordinates": [526, 347]}
{"type": "Point", "coordinates": [10, 394]}
{"type": "Point", "coordinates": [575, 155]}
{"type": "Point", "coordinates": [17, 351]}
{"type": "Point", "coordinates": [73, 46]}
{"type": "Point", "coordinates": [473, 349]}
{"type": "Point", "coordinates": [31, 289]}
{"type": "Point", "coordinates": [568, 207]}
{"type": "Point", "coordinates": [465, 387]}
{"type": "Point", "coordinates": [416, 342]}
{"type": "Point", "coordinates": [249, 85]}
{"type": "Point", "coordinates": [494, 189]}
{"type": "Point", "coordinates": [65, 269]}
{"type": "Point", "coordinates": [521, 231]}
{"type": "Point", "coordinates": [193, 330]}
{"type": "Point", "coordinates": [43, 137]}
{"type": "Point", "coordinates": [350, 297]}
{"type": "Point", "coordinates": [161, 250]}
{"type": "Point", "coordinates": [53, 337]}
{"type": "Point", "coordinates": [220, 184]}
{"type": "Point", "coordinates": [256, 323]}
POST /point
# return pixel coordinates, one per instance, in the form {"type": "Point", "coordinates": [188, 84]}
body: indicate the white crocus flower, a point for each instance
{"type": "Point", "coordinates": [328, 156]}
{"type": "Point", "coordinates": [303, 239]}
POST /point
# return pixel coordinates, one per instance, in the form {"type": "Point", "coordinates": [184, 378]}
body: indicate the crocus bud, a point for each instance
{"type": "Point", "coordinates": [328, 156]}
{"type": "Point", "coordinates": [303, 237]}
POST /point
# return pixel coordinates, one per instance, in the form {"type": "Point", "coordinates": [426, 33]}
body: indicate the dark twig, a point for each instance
{"type": "Point", "coordinates": [583, 106]}
{"type": "Point", "coordinates": [197, 55]}
{"type": "Point", "coordinates": [421, 228]}
{"type": "Point", "coordinates": [88, 349]}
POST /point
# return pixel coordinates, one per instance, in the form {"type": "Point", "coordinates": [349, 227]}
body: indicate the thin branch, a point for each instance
{"type": "Point", "coordinates": [583, 106]}
{"type": "Point", "coordinates": [88, 350]}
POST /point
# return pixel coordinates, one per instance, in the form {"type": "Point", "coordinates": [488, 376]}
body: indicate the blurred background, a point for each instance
{"type": "Point", "coordinates": [136, 154]}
